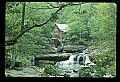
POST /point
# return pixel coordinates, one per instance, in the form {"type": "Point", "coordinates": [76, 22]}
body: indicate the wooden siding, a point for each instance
{"type": "Point", "coordinates": [58, 35]}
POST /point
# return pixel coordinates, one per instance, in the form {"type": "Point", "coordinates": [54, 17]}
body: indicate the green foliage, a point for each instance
{"type": "Point", "coordinates": [25, 61]}
{"type": "Point", "coordinates": [104, 22]}
{"type": "Point", "coordinates": [10, 56]}
{"type": "Point", "coordinates": [77, 22]}
{"type": "Point", "coordinates": [106, 64]}
{"type": "Point", "coordinates": [36, 41]}
{"type": "Point", "coordinates": [87, 72]}
{"type": "Point", "coordinates": [105, 36]}
{"type": "Point", "coordinates": [55, 17]}
{"type": "Point", "coordinates": [88, 23]}
{"type": "Point", "coordinates": [50, 69]}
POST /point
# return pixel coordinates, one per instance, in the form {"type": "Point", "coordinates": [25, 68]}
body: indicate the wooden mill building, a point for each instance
{"type": "Point", "coordinates": [58, 34]}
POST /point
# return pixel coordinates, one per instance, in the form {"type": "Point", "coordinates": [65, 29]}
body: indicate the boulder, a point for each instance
{"type": "Point", "coordinates": [76, 70]}
{"type": "Point", "coordinates": [74, 48]}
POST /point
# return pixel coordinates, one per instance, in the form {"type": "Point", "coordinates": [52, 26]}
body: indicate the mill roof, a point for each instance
{"type": "Point", "coordinates": [62, 27]}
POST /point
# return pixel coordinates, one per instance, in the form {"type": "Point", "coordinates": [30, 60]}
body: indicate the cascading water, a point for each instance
{"type": "Point", "coordinates": [74, 62]}
{"type": "Point", "coordinates": [68, 64]}
{"type": "Point", "coordinates": [87, 60]}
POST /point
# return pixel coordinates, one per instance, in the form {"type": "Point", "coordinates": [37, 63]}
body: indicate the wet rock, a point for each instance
{"type": "Point", "coordinates": [52, 50]}
{"type": "Point", "coordinates": [68, 71]}
{"type": "Point", "coordinates": [74, 75]}
{"type": "Point", "coordinates": [66, 75]}
{"type": "Point", "coordinates": [18, 64]}
{"type": "Point", "coordinates": [28, 70]}
{"type": "Point", "coordinates": [75, 70]}
{"type": "Point", "coordinates": [60, 49]}
{"type": "Point", "coordinates": [25, 72]}
{"type": "Point", "coordinates": [18, 68]}
{"type": "Point", "coordinates": [74, 48]}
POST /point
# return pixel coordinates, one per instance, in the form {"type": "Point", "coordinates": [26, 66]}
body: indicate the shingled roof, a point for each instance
{"type": "Point", "coordinates": [62, 27]}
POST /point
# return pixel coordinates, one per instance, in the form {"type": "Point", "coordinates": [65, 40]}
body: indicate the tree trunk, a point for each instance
{"type": "Point", "coordinates": [23, 30]}
{"type": "Point", "coordinates": [23, 16]}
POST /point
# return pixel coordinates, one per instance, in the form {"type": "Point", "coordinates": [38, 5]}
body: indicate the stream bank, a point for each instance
{"type": "Point", "coordinates": [34, 71]}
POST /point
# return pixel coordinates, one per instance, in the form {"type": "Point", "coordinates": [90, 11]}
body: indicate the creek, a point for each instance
{"type": "Point", "coordinates": [75, 63]}
{"type": "Point", "coordinates": [70, 67]}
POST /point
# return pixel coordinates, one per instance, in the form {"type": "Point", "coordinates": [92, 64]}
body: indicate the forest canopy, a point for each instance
{"type": "Point", "coordinates": [28, 27]}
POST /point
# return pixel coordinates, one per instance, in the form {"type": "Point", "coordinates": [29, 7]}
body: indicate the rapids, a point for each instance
{"type": "Point", "coordinates": [75, 61]}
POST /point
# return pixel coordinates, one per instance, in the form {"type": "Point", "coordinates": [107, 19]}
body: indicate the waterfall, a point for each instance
{"type": "Point", "coordinates": [71, 58]}
{"type": "Point", "coordinates": [78, 59]}
{"type": "Point", "coordinates": [33, 61]}
{"type": "Point", "coordinates": [87, 60]}
{"type": "Point", "coordinates": [74, 61]}
{"type": "Point", "coordinates": [67, 62]}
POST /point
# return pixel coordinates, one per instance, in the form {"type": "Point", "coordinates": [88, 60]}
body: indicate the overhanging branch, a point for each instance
{"type": "Point", "coordinates": [60, 8]}
{"type": "Point", "coordinates": [14, 40]}
{"type": "Point", "coordinates": [39, 25]}
{"type": "Point", "coordinates": [43, 7]}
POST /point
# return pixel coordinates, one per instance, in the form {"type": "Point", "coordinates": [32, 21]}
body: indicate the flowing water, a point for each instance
{"type": "Point", "coordinates": [70, 66]}
{"type": "Point", "coordinates": [75, 62]}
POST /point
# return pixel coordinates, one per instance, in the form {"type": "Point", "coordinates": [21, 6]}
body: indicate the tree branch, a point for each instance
{"type": "Point", "coordinates": [42, 7]}
{"type": "Point", "coordinates": [14, 40]}
{"type": "Point", "coordinates": [52, 7]}
{"type": "Point", "coordinates": [39, 25]}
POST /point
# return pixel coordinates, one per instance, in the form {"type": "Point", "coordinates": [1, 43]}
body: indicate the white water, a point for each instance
{"type": "Point", "coordinates": [72, 64]}
{"type": "Point", "coordinates": [69, 65]}
{"type": "Point", "coordinates": [87, 60]}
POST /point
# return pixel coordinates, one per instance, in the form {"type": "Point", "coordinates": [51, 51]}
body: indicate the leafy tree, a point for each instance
{"type": "Point", "coordinates": [29, 25]}
{"type": "Point", "coordinates": [103, 24]}
{"type": "Point", "coordinates": [26, 28]}
{"type": "Point", "coordinates": [22, 17]}
{"type": "Point", "coordinates": [79, 30]}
